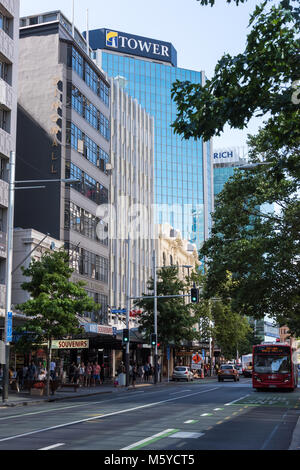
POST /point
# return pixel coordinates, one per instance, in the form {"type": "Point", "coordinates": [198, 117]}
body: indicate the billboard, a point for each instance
{"type": "Point", "coordinates": [125, 43]}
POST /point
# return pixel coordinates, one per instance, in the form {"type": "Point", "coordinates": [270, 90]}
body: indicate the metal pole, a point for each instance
{"type": "Point", "coordinates": [10, 238]}
{"type": "Point", "coordinates": [155, 317]}
{"type": "Point", "coordinates": [127, 312]}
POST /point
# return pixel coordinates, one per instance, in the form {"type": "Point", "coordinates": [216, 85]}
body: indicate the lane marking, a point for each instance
{"type": "Point", "coordinates": [52, 447]}
{"type": "Point", "coordinates": [227, 404]}
{"type": "Point", "coordinates": [106, 415]}
{"type": "Point", "coordinates": [148, 440]}
{"type": "Point", "coordinates": [191, 421]}
{"type": "Point", "coordinates": [187, 435]}
{"type": "Point", "coordinates": [218, 409]}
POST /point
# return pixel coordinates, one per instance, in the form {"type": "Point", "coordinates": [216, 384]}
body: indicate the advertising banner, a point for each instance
{"type": "Point", "coordinates": [70, 344]}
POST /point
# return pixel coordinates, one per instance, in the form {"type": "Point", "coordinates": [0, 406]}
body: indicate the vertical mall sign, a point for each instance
{"type": "Point", "coordinates": [126, 43]}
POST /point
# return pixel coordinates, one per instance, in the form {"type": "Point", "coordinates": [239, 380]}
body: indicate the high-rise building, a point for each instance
{"type": "Point", "coordinates": [132, 156]}
{"type": "Point", "coordinates": [9, 40]}
{"type": "Point", "coordinates": [183, 175]}
{"type": "Point", "coordinates": [64, 132]}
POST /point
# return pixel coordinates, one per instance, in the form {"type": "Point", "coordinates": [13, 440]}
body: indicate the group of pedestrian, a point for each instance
{"type": "Point", "coordinates": [86, 375]}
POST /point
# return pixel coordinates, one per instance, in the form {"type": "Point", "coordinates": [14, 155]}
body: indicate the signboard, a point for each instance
{"type": "Point", "coordinates": [9, 330]}
{"type": "Point", "coordinates": [126, 43]}
{"type": "Point", "coordinates": [196, 359]}
{"type": "Point", "coordinates": [70, 344]}
{"type": "Point", "coordinates": [203, 354]}
{"type": "Point", "coordinates": [272, 349]}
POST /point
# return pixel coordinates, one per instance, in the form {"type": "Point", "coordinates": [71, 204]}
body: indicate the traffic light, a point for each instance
{"type": "Point", "coordinates": [126, 335]}
{"type": "Point", "coordinates": [195, 295]}
{"type": "Point", "coordinates": [153, 339]}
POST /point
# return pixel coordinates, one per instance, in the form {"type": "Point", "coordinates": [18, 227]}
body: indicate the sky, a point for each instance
{"type": "Point", "coordinates": [201, 35]}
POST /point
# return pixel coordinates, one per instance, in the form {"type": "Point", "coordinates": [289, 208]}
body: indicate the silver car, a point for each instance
{"type": "Point", "coordinates": [182, 373]}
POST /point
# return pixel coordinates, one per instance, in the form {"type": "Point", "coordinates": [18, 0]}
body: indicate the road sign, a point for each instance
{"type": "Point", "coordinates": [196, 358]}
{"type": "Point", "coordinates": [203, 354]}
{"type": "Point", "coordinates": [9, 330]}
{"type": "Point", "coordinates": [168, 353]}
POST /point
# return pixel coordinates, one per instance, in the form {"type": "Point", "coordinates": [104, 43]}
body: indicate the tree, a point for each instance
{"type": "Point", "coordinates": [175, 319]}
{"type": "Point", "coordinates": [259, 249]}
{"type": "Point", "coordinates": [55, 302]}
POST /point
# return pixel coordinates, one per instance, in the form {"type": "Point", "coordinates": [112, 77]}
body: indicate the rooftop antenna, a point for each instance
{"type": "Point", "coordinates": [87, 33]}
{"type": "Point", "coordinates": [73, 18]}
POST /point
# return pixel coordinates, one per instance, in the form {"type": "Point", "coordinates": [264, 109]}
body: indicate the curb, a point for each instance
{"type": "Point", "coordinates": [295, 444]}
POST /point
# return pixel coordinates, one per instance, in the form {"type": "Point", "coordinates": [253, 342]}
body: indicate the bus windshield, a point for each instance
{"type": "Point", "coordinates": [272, 364]}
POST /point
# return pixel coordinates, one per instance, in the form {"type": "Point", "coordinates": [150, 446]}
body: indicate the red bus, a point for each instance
{"type": "Point", "coordinates": [273, 367]}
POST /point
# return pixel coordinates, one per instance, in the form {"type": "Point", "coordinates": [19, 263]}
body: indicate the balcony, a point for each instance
{"type": "Point", "coordinates": [3, 245]}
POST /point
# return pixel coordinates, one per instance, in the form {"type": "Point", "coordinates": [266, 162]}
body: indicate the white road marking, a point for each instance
{"type": "Point", "coordinates": [190, 421]}
{"type": "Point", "coordinates": [227, 404]}
{"type": "Point", "coordinates": [52, 447]}
{"type": "Point", "coordinates": [107, 415]}
{"type": "Point", "coordinates": [143, 441]}
{"type": "Point", "coordinates": [187, 435]}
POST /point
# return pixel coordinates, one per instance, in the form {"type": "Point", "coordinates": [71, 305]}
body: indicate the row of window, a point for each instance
{"type": "Point", "coordinates": [86, 185]}
{"type": "Point", "coordinates": [88, 264]}
{"type": "Point", "coordinates": [83, 69]}
{"type": "Point", "coordinates": [5, 120]}
{"type": "Point", "coordinates": [84, 222]}
{"type": "Point", "coordinates": [101, 315]}
{"type": "Point", "coordinates": [90, 149]}
{"type": "Point", "coordinates": [89, 112]}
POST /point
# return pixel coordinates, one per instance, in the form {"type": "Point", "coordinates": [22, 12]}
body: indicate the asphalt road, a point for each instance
{"type": "Point", "coordinates": [193, 416]}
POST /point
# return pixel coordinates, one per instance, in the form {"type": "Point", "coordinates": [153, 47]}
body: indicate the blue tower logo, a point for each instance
{"type": "Point", "coordinates": [112, 39]}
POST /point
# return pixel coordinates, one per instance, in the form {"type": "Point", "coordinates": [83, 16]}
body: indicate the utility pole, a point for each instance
{"type": "Point", "coordinates": [155, 319]}
{"type": "Point", "coordinates": [10, 238]}
{"type": "Point", "coordinates": [128, 310]}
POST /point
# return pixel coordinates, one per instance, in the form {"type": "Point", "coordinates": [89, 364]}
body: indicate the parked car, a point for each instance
{"type": "Point", "coordinates": [182, 373]}
{"type": "Point", "coordinates": [228, 371]}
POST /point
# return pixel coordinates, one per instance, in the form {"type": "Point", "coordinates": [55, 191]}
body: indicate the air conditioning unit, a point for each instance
{"type": "Point", "coordinates": [80, 146]}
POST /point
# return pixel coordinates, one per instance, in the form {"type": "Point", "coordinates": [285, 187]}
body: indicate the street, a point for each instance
{"type": "Point", "coordinates": [177, 417]}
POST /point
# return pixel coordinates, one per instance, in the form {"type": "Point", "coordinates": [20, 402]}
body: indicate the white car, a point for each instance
{"type": "Point", "coordinates": [239, 368]}
{"type": "Point", "coordinates": [183, 373]}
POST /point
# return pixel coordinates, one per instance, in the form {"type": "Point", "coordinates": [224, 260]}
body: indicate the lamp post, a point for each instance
{"type": "Point", "coordinates": [10, 237]}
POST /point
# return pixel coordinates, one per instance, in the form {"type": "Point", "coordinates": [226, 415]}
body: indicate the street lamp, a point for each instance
{"type": "Point", "coordinates": [10, 234]}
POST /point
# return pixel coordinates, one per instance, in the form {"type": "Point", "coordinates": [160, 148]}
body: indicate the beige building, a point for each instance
{"type": "Point", "coordinates": [29, 245]}
{"type": "Point", "coordinates": [172, 250]}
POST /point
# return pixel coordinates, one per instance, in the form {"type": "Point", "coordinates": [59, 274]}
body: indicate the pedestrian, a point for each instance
{"type": "Point", "coordinates": [141, 373]}
{"type": "Point", "coordinates": [88, 374]}
{"type": "Point", "coordinates": [76, 374]}
{"type": "Point", "coordinates": [96, 373]}
{"type": "Point", "coordinates": [150, 372]}
{"type": "Point", "coordinates": [146, 372]}
{"type": "Point", "coordinates": [130, 373]}
{"type": "Point", "coordinates": [134, 374]}
{"type": "Point", "coordinates": [102, 374]}
{"type": "Point", "coordinates": [31, 374]}
{"type": "Point", "coordinates": [71, 372]}
{"type": "Point", "coordinates": [81, 374]}
{"type": "Point", "coordinates": [52, 369]}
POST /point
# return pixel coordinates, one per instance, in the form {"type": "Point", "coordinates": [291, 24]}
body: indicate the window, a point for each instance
{"type": "Point", "coordinates": [4, 68]}
{"type": "Point", "coordinates": [4, 124]}
{"type": "Point", "coordinates": [5, 23]}
{"type": "Point", "coordinates": [88, 264]}
{"type": "Point", "coordinates": [87, 185]}
{"type": "Point", "coordinates": [77, 62]}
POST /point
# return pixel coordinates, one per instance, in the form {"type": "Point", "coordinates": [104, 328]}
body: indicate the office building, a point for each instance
{"type": "Point", "coordinates": [9, 39]}
{"type": "Point", "coordinates": [183, 175]}
{"type": "Point", "coordinates": [63, 133]}
{"type": "Point", "coordinates": [132, 175]}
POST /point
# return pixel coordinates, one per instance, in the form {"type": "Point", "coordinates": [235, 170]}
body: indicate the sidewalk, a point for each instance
{"type": "Point", "coordinates": [24, 398]}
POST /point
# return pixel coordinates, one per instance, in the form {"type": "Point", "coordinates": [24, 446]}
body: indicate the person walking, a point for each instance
{"type": "Point", "coordinates": [96, 373]}
{"type": "Point", "coordinates": [146, 372]}
{"type": "Point", "coordinates": [88, 374]}
{"type": "Point", "coordinates": [134, 375]}
{"type": "Point", "coordinates": [32, 371]}
{"type": "Point", "coordinates": [76, 374]}
{"type": "Point", "coordinates": [141, 373]}
{"type": "Point", "coordinates": [52, 369]}
{"type": "Point", "coordinates": [71, 372]}
{"type": "Point", "coordinates": [102, 374]}
{"type": "Point", "coordinates": [81, 374]}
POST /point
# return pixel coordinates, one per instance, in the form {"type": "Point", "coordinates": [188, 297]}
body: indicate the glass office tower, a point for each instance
{"type": "Point", "coordinates": [183, 173]}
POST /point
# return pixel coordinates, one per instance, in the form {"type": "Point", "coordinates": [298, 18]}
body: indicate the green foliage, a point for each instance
{"type": "Point", "coordinates": [175, 319]}
{"type": "Point", "coordinates": [55, 300]}
{"type": "Point", "coordinates": [256, 82]}
{"type": "Point", "coordinates": [260, 249]}
{"type": "Point", "coordinates": [230, 329]}
{"type": "Point", "coordinates": [212, 2]}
